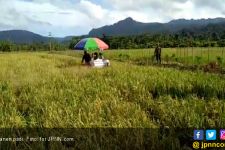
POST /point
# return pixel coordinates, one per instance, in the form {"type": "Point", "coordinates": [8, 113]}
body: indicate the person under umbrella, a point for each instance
{"type": "Point", "coordinates": [86, 59]}
{"type": "Point", "coordinates": [95, 57]}
{"type": "Point", "coordinates": [93, 45]}
{"type": "Point", "coordinates": [101, 56]}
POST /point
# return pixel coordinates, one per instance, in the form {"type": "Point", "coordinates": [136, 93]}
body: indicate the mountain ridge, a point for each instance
{"type": "Point", "coordinates": [28, 37]}
{"type": "Point", "coordinates": [126, 27]}
{"type": "Point", "coordinates": [130, 26]}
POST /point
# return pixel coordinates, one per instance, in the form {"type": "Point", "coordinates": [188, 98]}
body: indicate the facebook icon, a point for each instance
{"type": "Point", "coordinates": [198, 135]}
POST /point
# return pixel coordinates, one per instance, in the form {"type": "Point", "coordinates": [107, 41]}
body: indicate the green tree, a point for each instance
{"type": "Point", "coordinates": [5, 46]}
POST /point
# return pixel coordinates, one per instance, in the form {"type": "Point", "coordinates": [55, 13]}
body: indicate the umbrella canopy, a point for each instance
{"type": "Point", "coordinates": [91, 44]}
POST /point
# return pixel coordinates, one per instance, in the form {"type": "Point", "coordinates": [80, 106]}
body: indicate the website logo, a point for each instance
{"type": "Point", "coordinates": [222, 134]}
{"type": "Point", "coordinates": [210, 135]}
{"type": "Point", "coordinates": [198, 134]}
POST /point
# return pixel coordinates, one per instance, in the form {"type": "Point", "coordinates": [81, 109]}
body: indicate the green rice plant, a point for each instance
{"type": "Point", "coordinates": [219, 60]}
{"type": "Point", "coordinates": [41, 90]}
{"type": "Point", "coordinates": [198, 59]}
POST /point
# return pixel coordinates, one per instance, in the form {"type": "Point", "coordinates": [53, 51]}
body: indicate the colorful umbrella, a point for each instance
{"type": "Point", "coordinates": [91, 44]}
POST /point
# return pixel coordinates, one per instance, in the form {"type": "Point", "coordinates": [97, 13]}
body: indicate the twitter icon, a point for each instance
{"type": "Point", "coordinates": [210, 135]}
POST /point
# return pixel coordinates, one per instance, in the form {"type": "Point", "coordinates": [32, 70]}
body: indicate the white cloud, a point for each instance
{"type": "Point", "coordinates": [75, 17]}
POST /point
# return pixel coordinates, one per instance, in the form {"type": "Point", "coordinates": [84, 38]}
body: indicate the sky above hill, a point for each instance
{"type": "Point", "coordinates": [77, 17]}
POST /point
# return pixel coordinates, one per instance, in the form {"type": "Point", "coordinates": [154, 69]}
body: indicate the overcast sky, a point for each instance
{"type": "Point", "coordinates": [77, 17]}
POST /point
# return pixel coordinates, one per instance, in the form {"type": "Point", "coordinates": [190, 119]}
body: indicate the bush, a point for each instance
{"type": "Point", "coordinates": [173, 57]}
{"type": "Point", "coordinates": [167, 58]}
{"type": "Point", "coordinates": [198, 59]}
{"type": "Point", "coordinates": [219, 60]}
{"type": "Point", "coordinates": [5, 46]}
{"type": "Point", "coordinates": [123, 57]}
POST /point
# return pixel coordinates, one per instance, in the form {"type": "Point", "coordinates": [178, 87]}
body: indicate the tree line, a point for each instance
{"type": "Point", "coordinates": [184, 39]}
{"type": "Point", "coordinates": [181, 39]}
{"type": "Point", "coordinates": [8, 46]}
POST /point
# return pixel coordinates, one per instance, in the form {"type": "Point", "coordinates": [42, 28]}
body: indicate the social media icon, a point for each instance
{"type": "Point", "coordinates": [222, 134]}
{"type": "Point", "coordinates": [198, 134]}
{"type": "Point", "coordinates": [210, 135]}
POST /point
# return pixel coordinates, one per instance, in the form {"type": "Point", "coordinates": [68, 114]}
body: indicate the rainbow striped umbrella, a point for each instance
{"type": "Point", "coordinates": [91, 44]}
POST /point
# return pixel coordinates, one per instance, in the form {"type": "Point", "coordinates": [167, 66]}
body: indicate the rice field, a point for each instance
{"type": "Point", "coordinates": [186, 56]}
{"type": "Point", "coordinates": [52, 90]}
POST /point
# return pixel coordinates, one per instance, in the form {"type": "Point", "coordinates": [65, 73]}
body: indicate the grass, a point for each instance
{"type": "Point", "coordinates": [186, 56]}
{"type": "Point", "coordinates": [52, 90]}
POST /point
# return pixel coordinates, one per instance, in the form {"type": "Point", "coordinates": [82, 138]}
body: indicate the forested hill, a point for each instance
{"type": "Point", "coordinates": [27, 37]}
{"type": "Point", "coordinates": [21, 36]}
{"type": "Point", "coordinates": [129, 27]}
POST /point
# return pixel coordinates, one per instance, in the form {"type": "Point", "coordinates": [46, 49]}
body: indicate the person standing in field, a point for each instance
{"type": "Point", "coordinates": [157, 53]}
